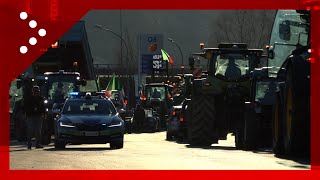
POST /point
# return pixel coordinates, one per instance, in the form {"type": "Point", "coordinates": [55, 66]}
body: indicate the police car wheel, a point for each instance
{"type": "Point", "coordinates": [116, 144]}
{"type": "Point", "coordinates": [59, 145]}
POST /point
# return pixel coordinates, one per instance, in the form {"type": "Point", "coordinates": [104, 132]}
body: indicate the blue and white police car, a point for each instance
{"type": "Point", "coordinates": [89, 120]}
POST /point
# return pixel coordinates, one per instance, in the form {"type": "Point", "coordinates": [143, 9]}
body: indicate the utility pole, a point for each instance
{"type": "Point", "coordinates": [121, 36]}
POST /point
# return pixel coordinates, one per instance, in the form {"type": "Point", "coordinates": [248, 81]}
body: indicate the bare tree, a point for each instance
{"type": "Point", "coordinates": [242, 26]}
{"type": "Point", "coordinates": [132, 60]}
{"type": "Point", "coordinates": [133, 51]}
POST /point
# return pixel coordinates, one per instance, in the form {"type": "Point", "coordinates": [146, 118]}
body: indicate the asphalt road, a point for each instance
{"type": "Point", "coordinates": [148, 151]}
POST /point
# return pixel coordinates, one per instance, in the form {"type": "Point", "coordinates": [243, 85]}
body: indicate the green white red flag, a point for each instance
{"type": "Point", "coordinates": [166, 56]}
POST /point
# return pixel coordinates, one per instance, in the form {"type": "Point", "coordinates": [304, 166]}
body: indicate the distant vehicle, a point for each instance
{"type": "Point", "coordinates": [118, 99]}
{"type": "Point", "coordinates": [89, 120]}
{"type": "Point", "coordinates": [183, 120]}
{"type": "Point", "coordinates": [173, 123]}
{"type": "Point", "coordinates": [158, 96]}
{"type": "Point", "coordinates": [151, 122]}
{"type": "Point", "coordinates": [177, 122]}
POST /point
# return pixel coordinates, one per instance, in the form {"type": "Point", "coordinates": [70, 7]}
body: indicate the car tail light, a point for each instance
{"type": "Point", "coordinates": [181, 119]}
{"type": "Point", "coordinates": [143, 98]}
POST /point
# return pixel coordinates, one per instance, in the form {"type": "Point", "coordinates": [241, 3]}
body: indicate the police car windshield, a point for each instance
{"type": "Point", "coordinates": [87, 107]}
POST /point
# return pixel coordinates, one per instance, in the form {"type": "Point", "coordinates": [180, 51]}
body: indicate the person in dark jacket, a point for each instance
{"type": "Point", "coordinates": [35, 110]}
{"type": "Point", "coordinates": [138, 117]}
{"type": "Point", "coordinates": [156, 93]}
{"type": "Point", "coordinates": [59, 94]}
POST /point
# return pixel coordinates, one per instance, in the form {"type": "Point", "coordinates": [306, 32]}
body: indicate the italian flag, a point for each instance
{"type": "Point", "coordinates": [114, 84]}
{"type": "Point", "coordinates": [166, 57]}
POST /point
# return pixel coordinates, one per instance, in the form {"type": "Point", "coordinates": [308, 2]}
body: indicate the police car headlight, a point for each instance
{"type": "Point", "coordinates": [115, 124]}
{"type": "Point", "coordinates": [66, 124]}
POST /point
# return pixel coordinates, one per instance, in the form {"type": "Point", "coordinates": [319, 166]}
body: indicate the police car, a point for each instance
{"type": "Point", "coordinates": [89, 120]}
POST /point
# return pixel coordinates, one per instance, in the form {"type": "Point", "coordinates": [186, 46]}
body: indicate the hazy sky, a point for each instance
{"type": "Point", "coordinates": [187, 28]}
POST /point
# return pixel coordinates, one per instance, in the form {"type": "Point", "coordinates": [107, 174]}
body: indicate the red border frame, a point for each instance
{"type": "Point", "coordinates": [15, 32]}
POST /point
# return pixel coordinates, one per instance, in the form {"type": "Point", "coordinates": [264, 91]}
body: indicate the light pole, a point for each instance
{"type": "Point", "coordinates": [171, 40]}
{"type": "Point", "coordinates": [182, 66]}
{"type": "Point", "coordinates": [106, 29]}
{"type": "Point", "coordinates": [127, 55]}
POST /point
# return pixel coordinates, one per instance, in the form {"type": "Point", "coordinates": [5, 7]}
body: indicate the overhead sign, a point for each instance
{"type": "Point", "coordinates": [158, 64]}
{"type": "Point", "coordinates": [151, 43]}
{"type": "Point", "coordinates": [152, 62]}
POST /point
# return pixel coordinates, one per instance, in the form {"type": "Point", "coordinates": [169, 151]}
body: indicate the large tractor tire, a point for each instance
{"type": "Point", "coordinates": [162, 115]}
{"type": "Point", "coordinates": [239, 138]}
{"type": "Point", "coordinates": [222, 109]}
{"type": "Point", "coordinates": [250, 130]}
{"type": "Point", "coordinates": [297, 110]}
{"type": "Point", "coordinates": [277, 118]}
{"type": "Point", "coordinates": [201, 123]}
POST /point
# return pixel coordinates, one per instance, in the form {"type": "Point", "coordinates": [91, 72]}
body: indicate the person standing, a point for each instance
{"type": "Point", "coordinates": [35, 110]}
{"type": "Point", "coordinates": [59, 94]}
{"type": "Point", "coordinates": [138, 117]}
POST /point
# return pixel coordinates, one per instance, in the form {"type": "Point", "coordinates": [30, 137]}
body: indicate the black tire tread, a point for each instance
{"type": "Point", "coordinates": [201, 121]}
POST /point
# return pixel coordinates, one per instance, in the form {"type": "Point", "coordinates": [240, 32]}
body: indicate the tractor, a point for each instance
{"type": "Point", "coordinates": [289, 55]}
{"type": "Point", "coordinates": [158, 96]}
{"type": "Point", "coordinates": [218, 100]}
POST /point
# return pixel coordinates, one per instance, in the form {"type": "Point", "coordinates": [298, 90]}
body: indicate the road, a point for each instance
{"type": "Point", "coordinates": [148, 151]}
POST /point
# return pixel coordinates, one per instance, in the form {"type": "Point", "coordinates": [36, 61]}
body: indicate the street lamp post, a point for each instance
{"type": "Point", "coordinates": [106, 29]}
{"type": "Point", "coordinates": [171, 40]}
{"type": "Point", "coordinates": [127, 54]}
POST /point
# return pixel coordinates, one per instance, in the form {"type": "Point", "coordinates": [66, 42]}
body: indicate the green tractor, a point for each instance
{"type": "Point", "coordinates": [158, 96]}
{"type": "Point", "coordinates": [277, 114]}
{"type": "Point", "coordinates": [218, 101]}
{"type": "Point", "coordinates": [288, 56]}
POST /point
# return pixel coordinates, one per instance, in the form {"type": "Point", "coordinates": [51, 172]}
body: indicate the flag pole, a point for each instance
{"type": "Point", "coordinates": [167, 70]}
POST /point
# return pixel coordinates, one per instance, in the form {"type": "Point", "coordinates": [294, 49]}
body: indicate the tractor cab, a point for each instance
{"type": "Point", "coordinates": [231, 62]}
{"type": "Point", "coordinates": [229, 66]}
{"type": "Point", "coordinates": [155, 93]}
